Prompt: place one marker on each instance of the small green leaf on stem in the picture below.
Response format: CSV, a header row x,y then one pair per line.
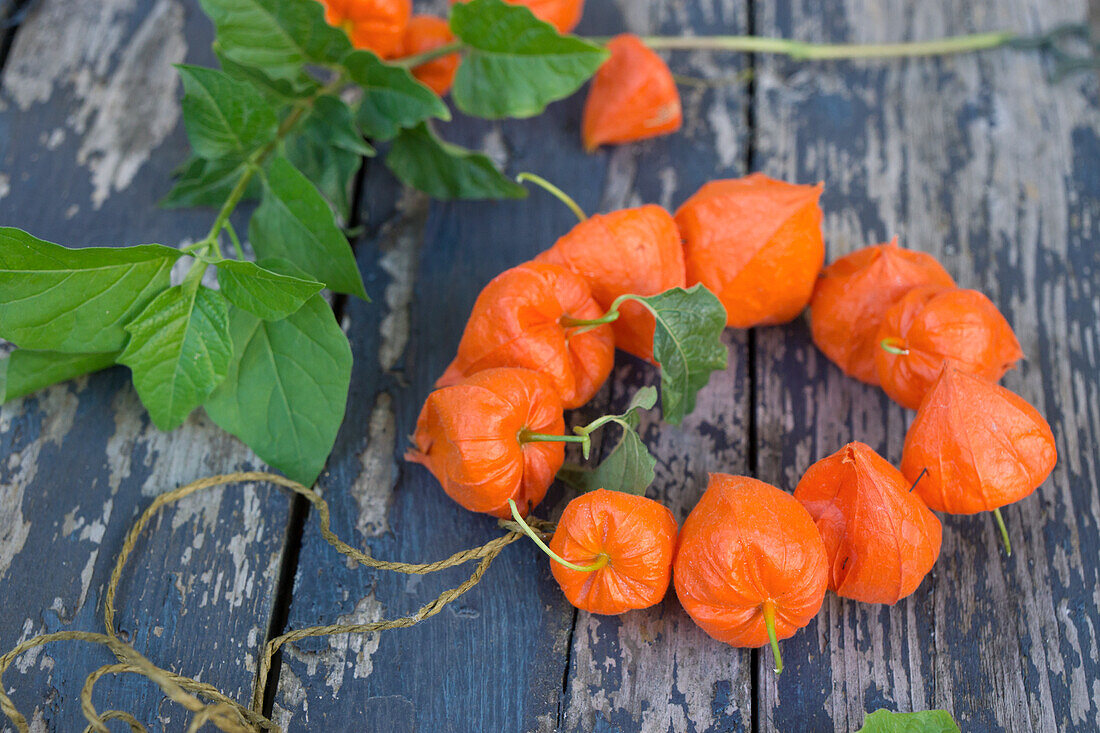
x,y
926,721
179,351
392,97
328,149
262,292
294,223
687,343
287,414
206,183
630,466
515,64
23,372
225,119
53,298
445,171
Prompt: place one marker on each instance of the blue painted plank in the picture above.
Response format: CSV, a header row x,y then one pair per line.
x,y
983,162
89,133
499,661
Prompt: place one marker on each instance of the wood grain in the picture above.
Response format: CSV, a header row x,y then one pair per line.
x,y
91,131
979,160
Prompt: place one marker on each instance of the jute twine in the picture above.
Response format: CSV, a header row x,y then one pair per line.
x,y
206,702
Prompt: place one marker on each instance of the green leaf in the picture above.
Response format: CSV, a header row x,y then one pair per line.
x,y
328,150
447,171
928,721
332,122
687,343
23,372
207,183
277,91
287,388
392,97
276,36
294,222
53,298
516,64
224,118
179,350
262,292
630,466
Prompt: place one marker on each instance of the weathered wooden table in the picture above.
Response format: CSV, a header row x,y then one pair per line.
x,y
981,160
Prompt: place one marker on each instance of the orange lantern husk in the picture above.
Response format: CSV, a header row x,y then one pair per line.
x,y
983,447
851,298
930,325
633,97
426,33
562,14
631,251
373,25
756,243
747,552
880,539
470,437
631,536
517,321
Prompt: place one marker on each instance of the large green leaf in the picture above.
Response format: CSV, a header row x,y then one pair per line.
x,y
927,721
53,298
207,183
392,97
277,91
276,36
23,371
515,64
263,292
179,351
328,149
294,223
224,118
687,343
287,387
447,171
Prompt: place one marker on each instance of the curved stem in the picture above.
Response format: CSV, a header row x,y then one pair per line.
x,y
802,51
411,62
769,624
589,323
1004,531
555,191
888,344
234,239
601,561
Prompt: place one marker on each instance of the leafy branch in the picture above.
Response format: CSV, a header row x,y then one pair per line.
x,y
286,121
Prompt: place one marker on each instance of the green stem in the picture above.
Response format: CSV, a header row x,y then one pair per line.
x,y
1004,531
801,51
769,624
234,239
589,323
555,191
411,62
526,436
601,561
888,344
252,167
